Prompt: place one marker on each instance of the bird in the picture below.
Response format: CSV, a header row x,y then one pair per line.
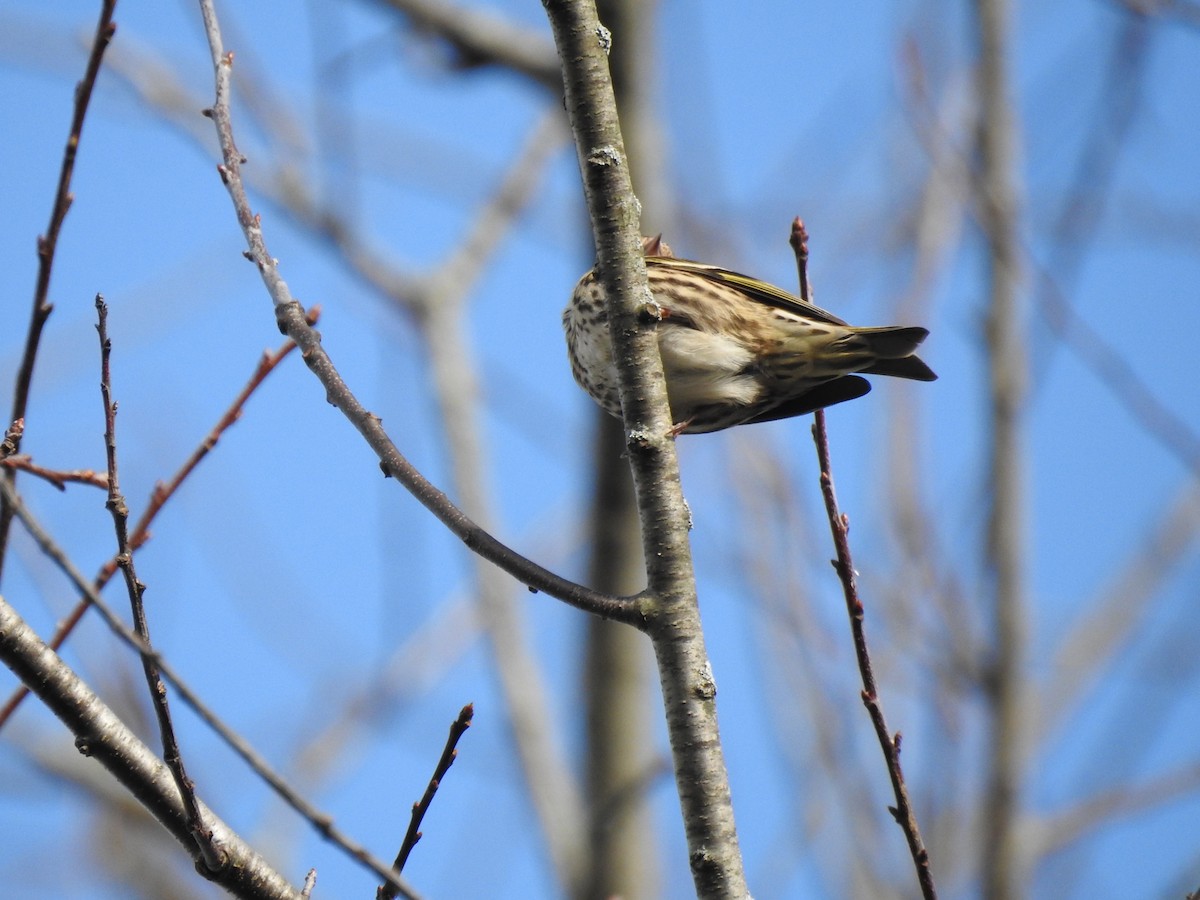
x,y
736,350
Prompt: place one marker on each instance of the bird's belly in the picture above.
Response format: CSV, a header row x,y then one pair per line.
x,y
706,370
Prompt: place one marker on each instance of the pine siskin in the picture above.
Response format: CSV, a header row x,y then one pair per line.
x,y
737,350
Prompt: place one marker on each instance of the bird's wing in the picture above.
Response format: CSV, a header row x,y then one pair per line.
x,y
753,287
848,387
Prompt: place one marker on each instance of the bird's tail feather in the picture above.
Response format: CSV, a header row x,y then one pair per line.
x,y
893,348
908,367
893,341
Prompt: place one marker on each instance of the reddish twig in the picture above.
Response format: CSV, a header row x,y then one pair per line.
x,y
48,243
839,525
799,241
162,492
449,754
160,495
60,479
214,857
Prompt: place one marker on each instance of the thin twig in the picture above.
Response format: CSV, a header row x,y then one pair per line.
x,y
839,525
457,729
163,492
799,241
57,477
158,498
213,856
321,821
48,244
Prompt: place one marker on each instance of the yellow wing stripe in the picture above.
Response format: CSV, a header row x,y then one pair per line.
x,y
753,287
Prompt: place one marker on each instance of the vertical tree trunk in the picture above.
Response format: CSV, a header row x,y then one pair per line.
x,y
1002,867
619,687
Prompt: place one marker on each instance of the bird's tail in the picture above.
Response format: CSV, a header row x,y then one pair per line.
x,y
894,347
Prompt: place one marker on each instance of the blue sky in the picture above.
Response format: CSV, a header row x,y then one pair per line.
x,y
287,572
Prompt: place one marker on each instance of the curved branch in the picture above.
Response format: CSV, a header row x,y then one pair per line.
x,y
290,317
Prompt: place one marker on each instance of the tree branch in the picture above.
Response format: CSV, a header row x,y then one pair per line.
x,y
413,834
839,524
48,244
101,735
481,38
320,821
1002,864
211,854
672,614
158,498
291,320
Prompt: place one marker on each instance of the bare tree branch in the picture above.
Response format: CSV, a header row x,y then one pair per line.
x,y
482,38
839,525
555,797
291,319
57,477
158,498
672,619
903,811
1003,866
617,672
210,851
413,834
102,736
48,244
322,822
